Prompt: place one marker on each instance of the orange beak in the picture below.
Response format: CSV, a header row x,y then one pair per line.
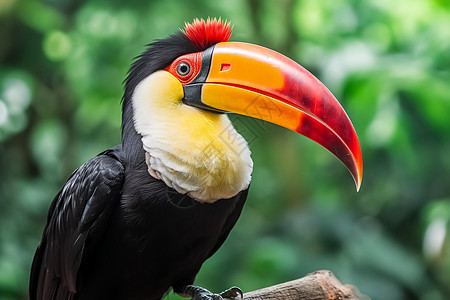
x,y
258,82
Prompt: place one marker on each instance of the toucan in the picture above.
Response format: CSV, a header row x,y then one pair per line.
x,y
140,218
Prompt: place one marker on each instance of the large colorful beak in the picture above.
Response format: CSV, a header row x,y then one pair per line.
x,y
258,82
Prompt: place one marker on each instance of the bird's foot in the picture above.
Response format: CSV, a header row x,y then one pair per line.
x,y
233,293
199,293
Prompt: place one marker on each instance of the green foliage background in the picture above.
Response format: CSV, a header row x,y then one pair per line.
x,y
61,69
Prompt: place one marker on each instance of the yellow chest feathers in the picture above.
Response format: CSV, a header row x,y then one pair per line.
x,y
196,152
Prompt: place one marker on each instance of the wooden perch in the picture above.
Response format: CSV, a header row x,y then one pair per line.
x,y
320,285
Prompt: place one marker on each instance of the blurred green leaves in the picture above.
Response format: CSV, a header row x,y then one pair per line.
x,y
16,89
57,46
39,15
388,62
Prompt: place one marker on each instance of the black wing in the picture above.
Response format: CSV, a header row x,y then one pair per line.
x,y
77,219
231,220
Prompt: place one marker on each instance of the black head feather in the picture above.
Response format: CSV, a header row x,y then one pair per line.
x,y
157,56
195,37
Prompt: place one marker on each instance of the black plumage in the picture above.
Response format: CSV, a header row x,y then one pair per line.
x,y
115,232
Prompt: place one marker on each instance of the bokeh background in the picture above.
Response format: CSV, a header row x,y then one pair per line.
x,y
61,69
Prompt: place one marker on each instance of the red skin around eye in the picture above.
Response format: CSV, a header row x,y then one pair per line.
x,y
195,62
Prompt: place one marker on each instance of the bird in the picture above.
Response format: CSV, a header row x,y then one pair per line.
x,y
140,218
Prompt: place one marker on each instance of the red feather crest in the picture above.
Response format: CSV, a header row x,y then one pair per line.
x,y
204,34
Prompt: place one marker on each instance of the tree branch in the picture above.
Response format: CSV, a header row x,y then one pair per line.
x,y
320,285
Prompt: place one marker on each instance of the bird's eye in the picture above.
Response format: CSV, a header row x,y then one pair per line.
x,y
186,67
183,69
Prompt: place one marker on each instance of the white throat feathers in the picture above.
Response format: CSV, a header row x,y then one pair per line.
x,y
193,151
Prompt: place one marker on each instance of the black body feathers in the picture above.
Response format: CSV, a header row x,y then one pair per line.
x,y
114,233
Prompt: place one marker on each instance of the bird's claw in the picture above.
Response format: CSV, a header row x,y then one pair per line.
x,y
207,296
233,293
199,293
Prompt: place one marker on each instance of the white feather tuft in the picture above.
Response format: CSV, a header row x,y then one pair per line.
x,y
196,152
